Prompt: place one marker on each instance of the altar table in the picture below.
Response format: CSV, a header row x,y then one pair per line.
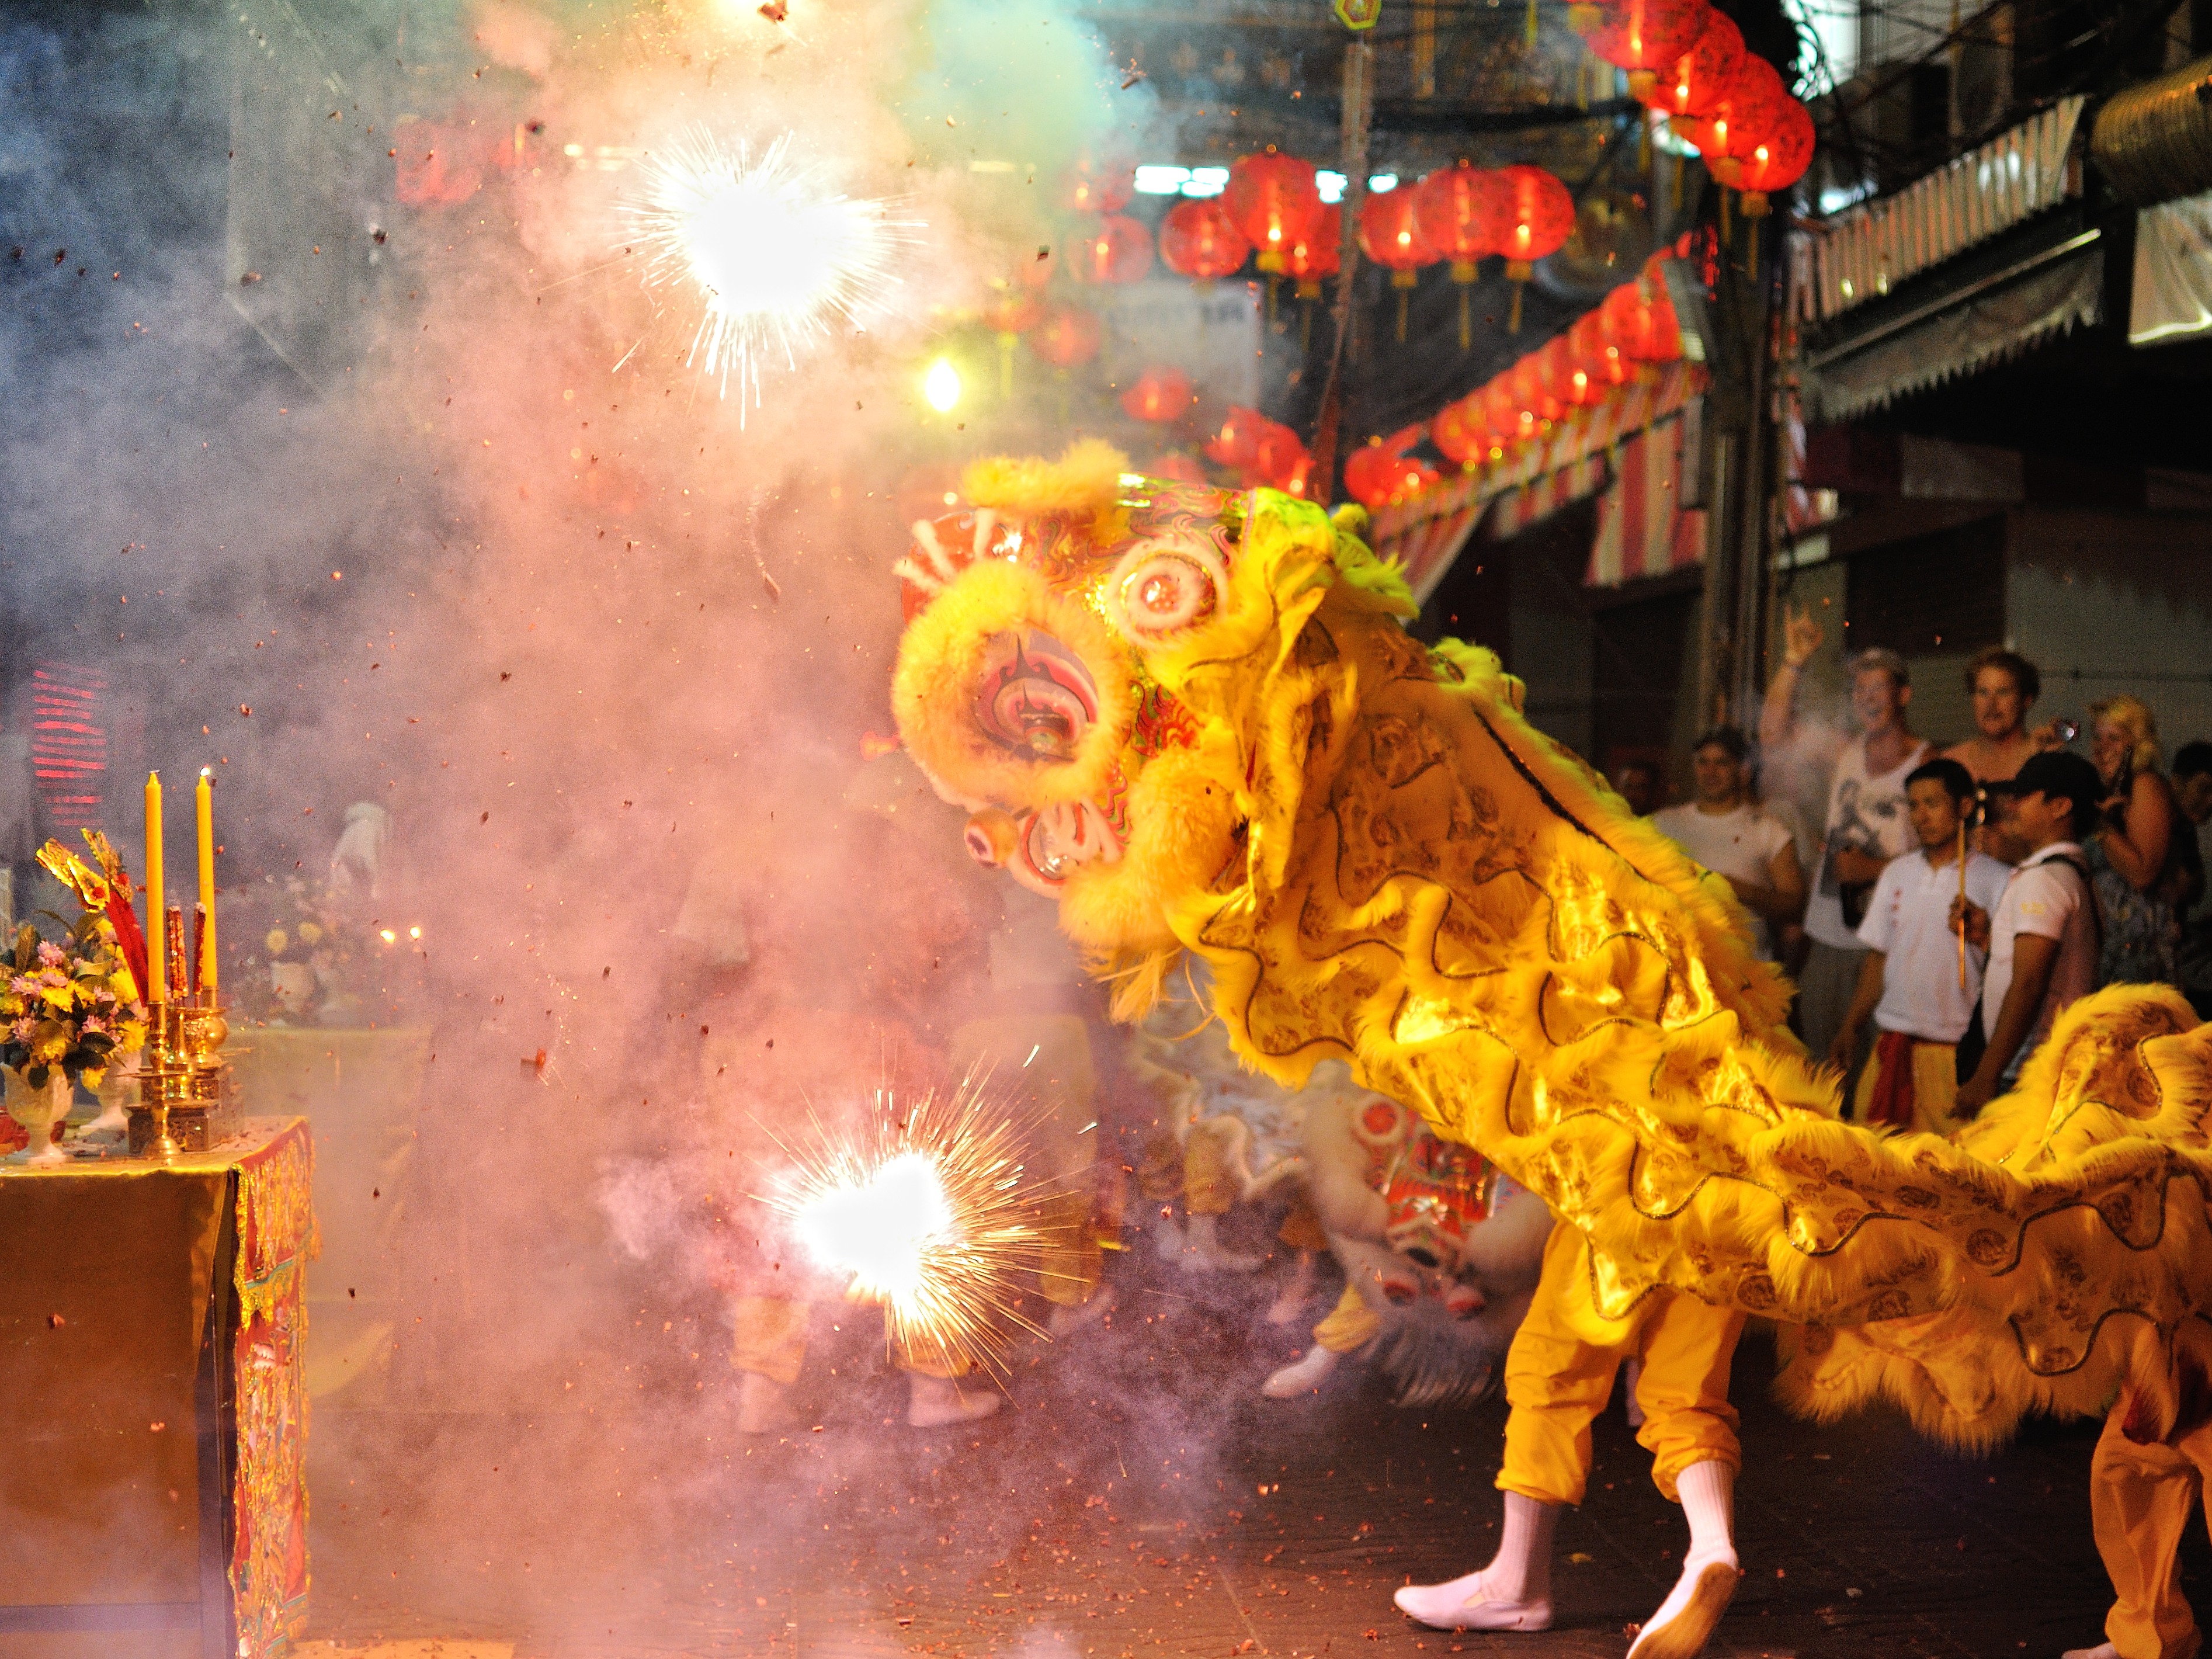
x,y
153,1493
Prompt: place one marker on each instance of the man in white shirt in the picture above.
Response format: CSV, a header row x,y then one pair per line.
x,y
1917,986
1866,825
1736,839
2042,935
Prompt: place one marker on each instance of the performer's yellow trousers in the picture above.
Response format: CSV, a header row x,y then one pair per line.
x,y
1560,1373
2142,1499
771,1339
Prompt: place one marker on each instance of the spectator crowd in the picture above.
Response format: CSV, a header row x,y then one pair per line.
x,y
1955,899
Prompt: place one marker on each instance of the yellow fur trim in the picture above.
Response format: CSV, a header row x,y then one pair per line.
x,y
1182,814
940,659
1084,479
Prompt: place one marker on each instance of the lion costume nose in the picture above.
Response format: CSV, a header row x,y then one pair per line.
x,y
990,837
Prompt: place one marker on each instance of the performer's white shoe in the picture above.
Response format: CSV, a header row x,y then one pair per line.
x,y
1301,1376
762,1408
2102,1651
1469,1603
1514,1592
1203,1253
1684,1621
937,1402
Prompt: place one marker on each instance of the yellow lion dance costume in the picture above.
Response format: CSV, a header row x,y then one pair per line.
x,y
1195,718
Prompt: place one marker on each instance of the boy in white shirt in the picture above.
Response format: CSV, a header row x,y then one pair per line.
x,y
1915,984
2042,934
1735,838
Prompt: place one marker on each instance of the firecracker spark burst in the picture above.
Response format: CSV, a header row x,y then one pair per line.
x,y
928,1209
771,256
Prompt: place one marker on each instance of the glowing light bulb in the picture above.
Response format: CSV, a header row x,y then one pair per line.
x,y
941,386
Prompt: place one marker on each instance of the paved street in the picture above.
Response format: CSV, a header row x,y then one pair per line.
x,y
1140,1500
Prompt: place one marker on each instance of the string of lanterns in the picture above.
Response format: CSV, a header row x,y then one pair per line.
x,y
1627,338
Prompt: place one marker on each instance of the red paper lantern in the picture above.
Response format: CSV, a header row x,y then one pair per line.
x,y
1275,201
1176,465
1068,337
1566,375
1318,254
1598,351
1009,310
1200,241
1534,217
1092,187
1745,118
1641,318
1379,473
1390,235
1777,161
1458,431
1278,459
1112,249
1534,399
1236,440
1503,415
1701,77
1160,394
1643,36
1453,210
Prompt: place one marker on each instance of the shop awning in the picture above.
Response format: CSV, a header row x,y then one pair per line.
x,y
2172,297
1995,318
1860,254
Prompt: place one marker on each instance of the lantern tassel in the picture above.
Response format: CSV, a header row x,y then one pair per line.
x,y
1274,283
1305,328
1404,295
1530,33
1513,319
1466,319
1724,215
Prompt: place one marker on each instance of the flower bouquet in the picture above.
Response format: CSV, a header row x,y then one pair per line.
x,y
69,1007
103,886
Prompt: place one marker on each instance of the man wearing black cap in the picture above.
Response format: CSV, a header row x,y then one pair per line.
x,y
2042,937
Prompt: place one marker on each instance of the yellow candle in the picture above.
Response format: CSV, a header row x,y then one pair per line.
x,y
157,985
203,800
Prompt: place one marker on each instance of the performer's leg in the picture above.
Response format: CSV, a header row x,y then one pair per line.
x,y
769,1348
1350,1327
1936,1088
2141,1499
1209,1191
1555,1382
1302,1231
1690,1431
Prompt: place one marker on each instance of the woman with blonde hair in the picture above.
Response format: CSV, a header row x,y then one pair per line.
x,y
2133,853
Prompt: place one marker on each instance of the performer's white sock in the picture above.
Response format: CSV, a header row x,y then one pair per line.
x,y
2102,1651
1686,1618
1708,1493
1514,1592
762,1408
1301,1376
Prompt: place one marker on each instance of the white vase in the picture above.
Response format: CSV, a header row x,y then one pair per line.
x,y
38,1110
116,1092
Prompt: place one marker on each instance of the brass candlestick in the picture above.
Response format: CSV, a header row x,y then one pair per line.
x,y
182,1071
164,1080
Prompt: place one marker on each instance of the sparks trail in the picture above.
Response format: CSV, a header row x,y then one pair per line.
x,y
771,256
926,1207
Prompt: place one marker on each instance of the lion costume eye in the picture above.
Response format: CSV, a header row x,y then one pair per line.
x,y
1035,697
1162,587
